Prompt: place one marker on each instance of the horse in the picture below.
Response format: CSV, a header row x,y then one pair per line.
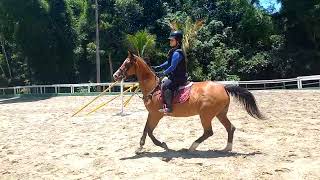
x,y
207,99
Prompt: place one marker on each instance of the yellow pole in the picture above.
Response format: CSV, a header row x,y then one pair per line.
x,y
128,100
95,98
103,104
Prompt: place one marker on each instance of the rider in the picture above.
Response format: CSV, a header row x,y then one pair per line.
x,y
175,69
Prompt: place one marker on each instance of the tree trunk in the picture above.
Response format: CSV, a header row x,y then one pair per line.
x,y
3,71
97,45
6,57
110,67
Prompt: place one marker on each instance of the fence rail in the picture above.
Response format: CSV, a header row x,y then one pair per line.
x,y
292,83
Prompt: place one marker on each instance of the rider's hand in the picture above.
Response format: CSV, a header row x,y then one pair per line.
x,y
156,68
160,74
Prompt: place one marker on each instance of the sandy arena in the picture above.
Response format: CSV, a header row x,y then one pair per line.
x,y
40,140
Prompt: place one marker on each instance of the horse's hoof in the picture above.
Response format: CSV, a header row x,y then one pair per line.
x,y
228,148
184,150
194,146
139,151
164,145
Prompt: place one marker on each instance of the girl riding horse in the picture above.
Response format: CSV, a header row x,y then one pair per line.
x,y
176,70
207,99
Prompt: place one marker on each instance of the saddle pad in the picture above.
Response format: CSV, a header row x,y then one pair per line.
x,y
181,95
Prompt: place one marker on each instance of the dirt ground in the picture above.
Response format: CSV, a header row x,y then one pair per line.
x,y
40,140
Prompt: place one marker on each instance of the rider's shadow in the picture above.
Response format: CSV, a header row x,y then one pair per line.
x,y
170,154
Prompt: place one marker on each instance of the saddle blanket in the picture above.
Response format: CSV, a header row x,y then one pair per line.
x,y
181,95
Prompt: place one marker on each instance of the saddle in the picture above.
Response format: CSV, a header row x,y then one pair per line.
x,y
181,95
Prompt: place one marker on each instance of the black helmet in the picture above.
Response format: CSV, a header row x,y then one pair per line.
x,y
177,35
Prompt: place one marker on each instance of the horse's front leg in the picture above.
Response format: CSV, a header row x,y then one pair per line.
x,y
152,122
143,139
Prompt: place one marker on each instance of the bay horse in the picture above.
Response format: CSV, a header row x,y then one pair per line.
x,y
207,99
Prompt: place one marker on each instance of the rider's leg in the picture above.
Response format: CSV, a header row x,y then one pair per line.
x,y
166,82
168,93
166,88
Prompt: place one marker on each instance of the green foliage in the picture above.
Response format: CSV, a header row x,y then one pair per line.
x,y
141,42
53,41
43,34
128,13
187,26
301,22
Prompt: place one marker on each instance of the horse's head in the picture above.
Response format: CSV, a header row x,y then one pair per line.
x,y
127,68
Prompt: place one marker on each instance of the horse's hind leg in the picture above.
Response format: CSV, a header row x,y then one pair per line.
x,y
207,130
229,127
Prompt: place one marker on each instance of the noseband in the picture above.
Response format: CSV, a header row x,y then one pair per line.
x,y
124,68
123,74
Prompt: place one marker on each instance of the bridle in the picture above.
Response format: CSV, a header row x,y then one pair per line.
x,y
123,74
124,68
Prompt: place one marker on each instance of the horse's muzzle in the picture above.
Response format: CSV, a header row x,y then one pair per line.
x,y
117,76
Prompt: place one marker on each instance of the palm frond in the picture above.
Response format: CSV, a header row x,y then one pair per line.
x,y
141,42
189,29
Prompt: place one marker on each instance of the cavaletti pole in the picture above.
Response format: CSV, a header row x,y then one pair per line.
x,y
103,104
128,100
94,99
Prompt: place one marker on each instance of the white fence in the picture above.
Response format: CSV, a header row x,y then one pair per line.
x,y
63,88
293,83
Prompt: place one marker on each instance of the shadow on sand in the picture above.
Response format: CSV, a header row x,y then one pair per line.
x,y
23,99
185,154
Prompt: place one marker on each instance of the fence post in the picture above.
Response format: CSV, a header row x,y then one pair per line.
x,y
299,82
121,90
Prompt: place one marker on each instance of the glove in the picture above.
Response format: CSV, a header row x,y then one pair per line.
x,y
156,68
160,74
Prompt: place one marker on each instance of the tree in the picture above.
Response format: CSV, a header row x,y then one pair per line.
x,y
142,42
44,35
97,42
5,57
189,29
301,25
53,41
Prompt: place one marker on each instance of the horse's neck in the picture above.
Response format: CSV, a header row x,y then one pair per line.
x,y
146,78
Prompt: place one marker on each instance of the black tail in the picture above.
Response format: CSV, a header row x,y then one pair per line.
x,y
246,99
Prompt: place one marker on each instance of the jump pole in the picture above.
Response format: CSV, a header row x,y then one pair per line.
x,y
128,100
113,84
103,104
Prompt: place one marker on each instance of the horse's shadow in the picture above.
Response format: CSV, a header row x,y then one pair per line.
x,y
183,153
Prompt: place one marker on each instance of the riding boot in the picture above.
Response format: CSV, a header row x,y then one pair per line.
x,y
168,100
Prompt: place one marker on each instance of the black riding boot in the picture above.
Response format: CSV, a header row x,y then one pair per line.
x,y
168,100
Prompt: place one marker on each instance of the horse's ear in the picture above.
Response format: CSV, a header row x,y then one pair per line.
x,y
131,55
